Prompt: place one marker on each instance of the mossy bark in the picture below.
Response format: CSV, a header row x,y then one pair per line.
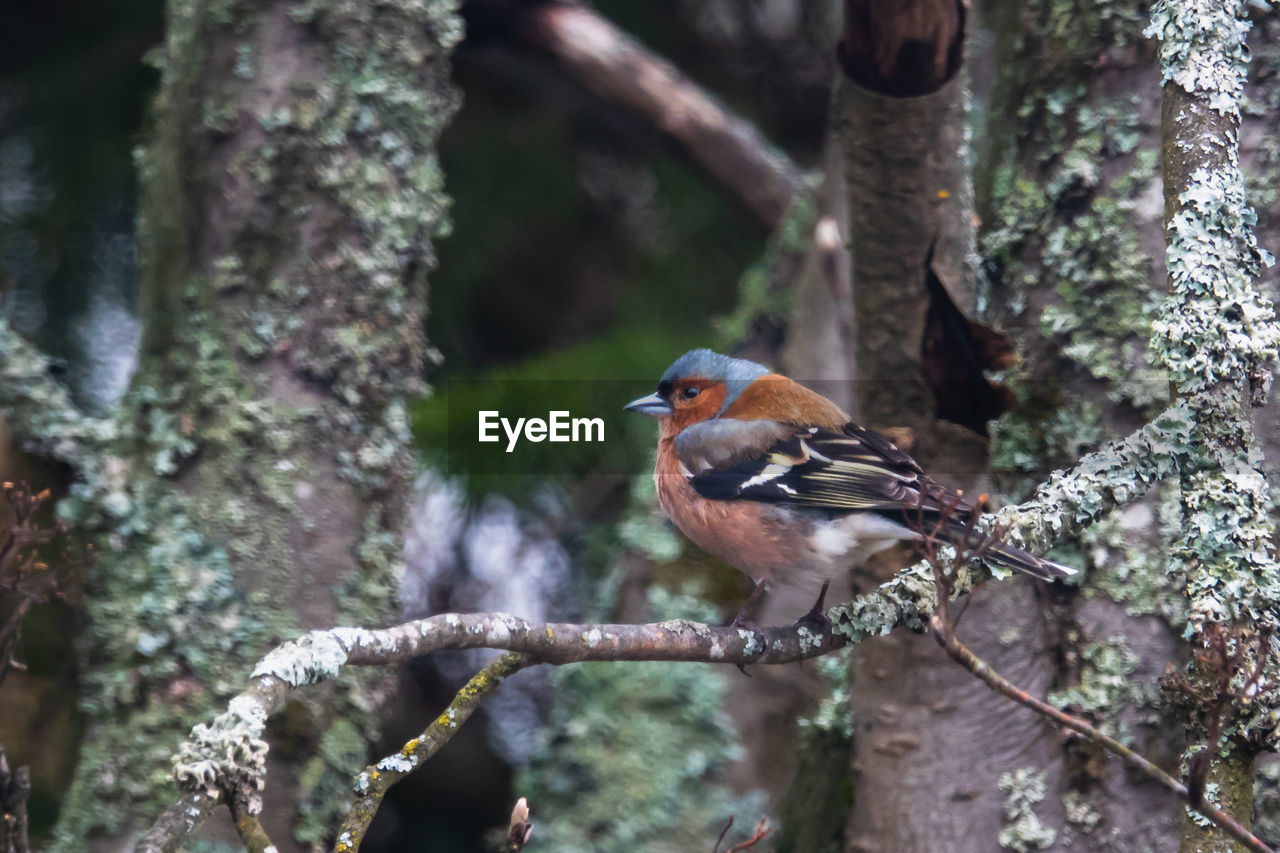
x,y
290,197
1067,181
1218,337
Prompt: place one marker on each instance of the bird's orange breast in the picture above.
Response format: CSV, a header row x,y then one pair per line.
x,y
752,537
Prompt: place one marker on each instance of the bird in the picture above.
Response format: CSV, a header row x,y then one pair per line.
x,y
779,482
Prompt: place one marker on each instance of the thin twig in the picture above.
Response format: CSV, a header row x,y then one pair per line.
x,y
761,833
372,784
961,655
944,632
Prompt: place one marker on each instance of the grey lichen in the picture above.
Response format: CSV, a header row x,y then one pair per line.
x,y
1202,48
1215,327
1132,561
316,657
834,713
1217,334
1023,832
40,413
1107,689
1080,813
227,758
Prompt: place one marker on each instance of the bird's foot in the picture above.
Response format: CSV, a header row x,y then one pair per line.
x,y
743,624
816,621
746,625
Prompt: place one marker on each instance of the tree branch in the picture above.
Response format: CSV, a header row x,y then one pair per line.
x,y
372,785
982,670
944,631
1112,477
1218,337
230,752
614,66
252,834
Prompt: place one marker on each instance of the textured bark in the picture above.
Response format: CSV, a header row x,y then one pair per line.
x,y
1213,262
1068,209
253,480
918,718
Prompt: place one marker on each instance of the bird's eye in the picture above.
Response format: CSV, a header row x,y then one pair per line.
x,y
691,392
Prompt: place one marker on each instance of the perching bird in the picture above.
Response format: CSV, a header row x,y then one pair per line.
x,y
777,481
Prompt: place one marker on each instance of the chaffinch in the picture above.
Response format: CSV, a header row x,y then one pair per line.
x,y
777,481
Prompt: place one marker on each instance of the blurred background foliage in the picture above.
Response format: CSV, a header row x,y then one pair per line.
x,y
584,245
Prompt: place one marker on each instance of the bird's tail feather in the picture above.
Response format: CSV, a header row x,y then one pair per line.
x,y
1012,556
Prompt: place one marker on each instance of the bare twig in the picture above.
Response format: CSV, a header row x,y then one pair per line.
x,y
25,578
1218,663
372,784
761,833
944,632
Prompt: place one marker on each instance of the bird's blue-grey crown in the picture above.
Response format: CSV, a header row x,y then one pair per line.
x,y
736,373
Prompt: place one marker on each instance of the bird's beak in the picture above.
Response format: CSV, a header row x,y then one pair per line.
x,y
653,406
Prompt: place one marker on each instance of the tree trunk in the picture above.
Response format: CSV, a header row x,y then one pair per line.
x,y
938,755
919,718
290,196
1068,183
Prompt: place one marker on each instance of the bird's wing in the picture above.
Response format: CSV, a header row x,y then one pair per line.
x,y
847,469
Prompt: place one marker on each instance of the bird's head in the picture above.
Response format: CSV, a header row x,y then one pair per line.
x,y
700,385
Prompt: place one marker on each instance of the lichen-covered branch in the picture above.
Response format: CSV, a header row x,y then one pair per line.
x,y
229,754
1217,336
372,784
1111,477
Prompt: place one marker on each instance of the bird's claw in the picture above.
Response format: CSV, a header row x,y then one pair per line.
x,y
816,621
747,625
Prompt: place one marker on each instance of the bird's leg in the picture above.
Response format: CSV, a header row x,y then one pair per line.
x,y
817,617
741,620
